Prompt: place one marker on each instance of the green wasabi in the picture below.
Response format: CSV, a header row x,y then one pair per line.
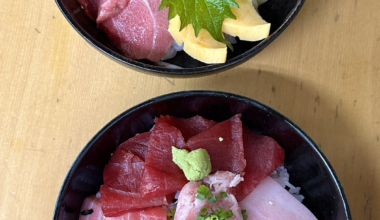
x,y
196,165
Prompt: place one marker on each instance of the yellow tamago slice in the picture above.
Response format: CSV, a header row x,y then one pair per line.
x,y
249,25
203,48
174,26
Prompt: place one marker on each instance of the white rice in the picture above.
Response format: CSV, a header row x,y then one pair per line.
x,y
281,175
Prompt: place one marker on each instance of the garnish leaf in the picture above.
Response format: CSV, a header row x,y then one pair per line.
x,y
202,14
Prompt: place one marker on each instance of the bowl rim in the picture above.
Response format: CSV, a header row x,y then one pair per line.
x,y
209,93
164,71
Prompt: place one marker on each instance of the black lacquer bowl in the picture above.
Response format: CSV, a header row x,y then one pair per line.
x,y
279,13
307,165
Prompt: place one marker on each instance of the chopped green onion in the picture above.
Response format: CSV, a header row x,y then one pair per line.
x,y
213,199
208,218
223,195
222,215
172,213
200,217
243,211
229,214
220,210
204,190
245,216
204,212
214,217
201,197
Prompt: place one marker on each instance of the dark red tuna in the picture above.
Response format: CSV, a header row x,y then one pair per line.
x,y
189,127
155,183
263,155
159,154
138,145
116,202
124,171
224,144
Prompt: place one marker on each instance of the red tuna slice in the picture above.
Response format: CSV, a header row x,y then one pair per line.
x,y
270,201
93,203
138,145
116,203
140,31
159,154
155,183
124,171
263,155
226,154
189,127
101,10
110,8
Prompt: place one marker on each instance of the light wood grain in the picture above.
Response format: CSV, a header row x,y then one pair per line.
x,y
56,92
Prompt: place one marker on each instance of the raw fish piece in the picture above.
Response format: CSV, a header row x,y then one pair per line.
x,y
222,180
140,31
101,10
189,206
93,203
110,8
224,144
155,183
189,127
159,154
124,172
116,203
263,155
270,201
138,145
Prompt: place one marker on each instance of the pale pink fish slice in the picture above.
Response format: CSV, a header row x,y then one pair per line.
x,y
270,201
189,206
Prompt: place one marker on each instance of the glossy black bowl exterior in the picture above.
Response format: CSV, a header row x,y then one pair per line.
x,y
279,13
307,165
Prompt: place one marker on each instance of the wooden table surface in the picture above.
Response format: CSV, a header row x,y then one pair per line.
x,y
56,92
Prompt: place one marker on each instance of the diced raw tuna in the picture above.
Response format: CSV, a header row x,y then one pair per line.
x,y
116,203
263,155
101,10
155,183
138,145
110,8
270,201
124,171
189,206
189,127
224,144
159,154
93,203
140,31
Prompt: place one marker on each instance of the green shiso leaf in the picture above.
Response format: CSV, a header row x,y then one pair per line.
x,y
202,14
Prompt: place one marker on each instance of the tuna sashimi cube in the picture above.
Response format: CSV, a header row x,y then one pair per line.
x,y
155,183
110,8
138,145
124,171
91,210
224,144
159,154
270,201
116,203
263,155
189,127
140,30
